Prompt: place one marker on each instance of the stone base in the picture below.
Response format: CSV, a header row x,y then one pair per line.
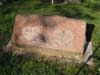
x,y
51,54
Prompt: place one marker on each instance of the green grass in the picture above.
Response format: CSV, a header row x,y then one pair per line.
x,y
11,64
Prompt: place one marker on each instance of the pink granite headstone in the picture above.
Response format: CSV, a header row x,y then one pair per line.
x,y
49,33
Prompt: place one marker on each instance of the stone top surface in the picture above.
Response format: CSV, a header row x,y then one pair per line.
x,y
54,32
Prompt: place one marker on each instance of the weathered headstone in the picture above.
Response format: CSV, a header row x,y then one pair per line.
x,y
49,35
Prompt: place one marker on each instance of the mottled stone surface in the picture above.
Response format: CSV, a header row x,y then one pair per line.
x,y
53,32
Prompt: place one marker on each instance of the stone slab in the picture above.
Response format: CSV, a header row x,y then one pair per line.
x,y
50,36
53,32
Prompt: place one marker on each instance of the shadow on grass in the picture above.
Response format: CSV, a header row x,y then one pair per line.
x,y
12,64
89,32
73,12
8,62
89,58
11,1
23,7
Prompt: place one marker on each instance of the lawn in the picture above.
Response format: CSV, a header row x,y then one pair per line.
x,y
11,64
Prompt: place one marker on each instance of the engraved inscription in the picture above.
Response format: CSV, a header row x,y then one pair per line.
x,y
62,39
30,35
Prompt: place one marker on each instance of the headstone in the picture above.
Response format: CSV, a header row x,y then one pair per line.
x,y
49,35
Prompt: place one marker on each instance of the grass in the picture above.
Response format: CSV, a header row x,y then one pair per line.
x,y
11,64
